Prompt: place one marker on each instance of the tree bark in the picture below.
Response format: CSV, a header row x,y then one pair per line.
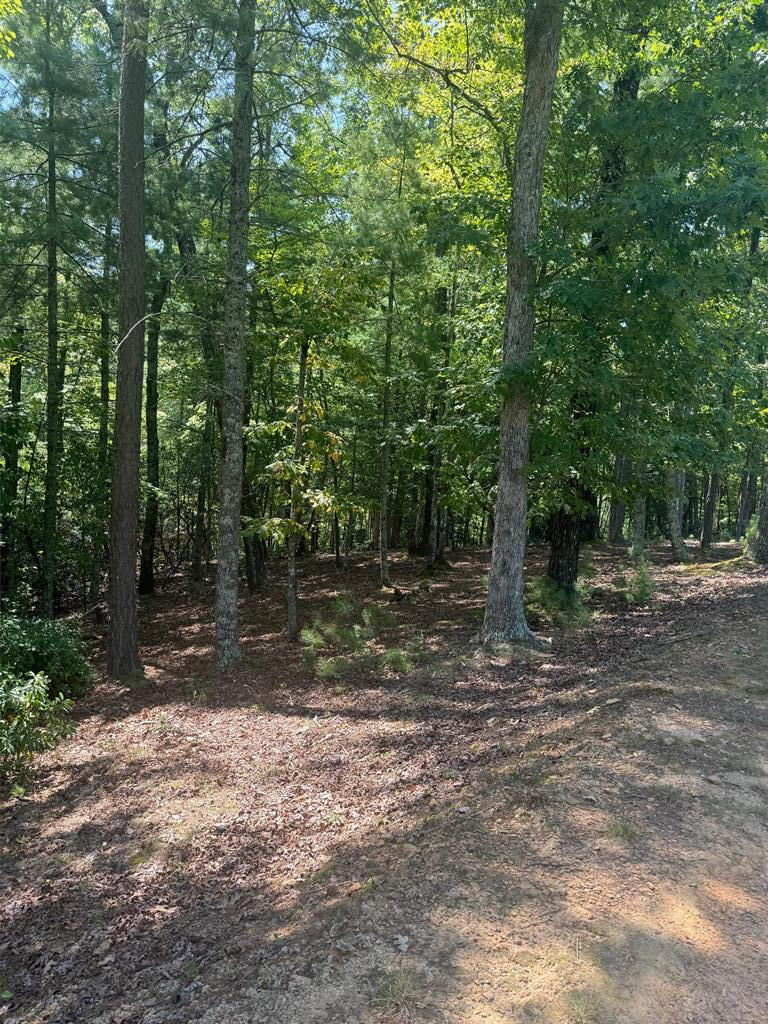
x,y
293,539
206,458
563,566
385,452
617,512
149,533
231,486
53,391
747,493
504,613
100,553
675,491
123,653
710,511
759,546
10,477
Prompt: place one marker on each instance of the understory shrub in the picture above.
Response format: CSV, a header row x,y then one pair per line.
x,y
45,646
31,720
336,650
641,585
547,603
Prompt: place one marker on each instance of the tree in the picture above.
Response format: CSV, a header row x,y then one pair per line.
x,y
504,618
231,486
123,652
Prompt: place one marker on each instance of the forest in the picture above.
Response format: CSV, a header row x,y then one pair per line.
x,y
383,511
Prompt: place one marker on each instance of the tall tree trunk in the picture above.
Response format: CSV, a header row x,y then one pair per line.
x,y
443,310
231,486
203,487
675,492
293,538
350,528
617,510
53,392
565,543
123,652
149,533
10,478
758,548
385,447
747,492
100,552
504,613
710,511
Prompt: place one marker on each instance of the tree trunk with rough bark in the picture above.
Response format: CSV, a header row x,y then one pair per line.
x,y
293,538
711,503
149,533
617,512
234,335
53,389
10,477
504,618
199,537
123,652
385,452
747,493
758,548
675,492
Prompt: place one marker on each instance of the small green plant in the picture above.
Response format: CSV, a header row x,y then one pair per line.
x,y
352,637
161,724
313,640
345,606
640,585
376,619
47,646
547,603
197,694
623,831
395,659
328,668
31,720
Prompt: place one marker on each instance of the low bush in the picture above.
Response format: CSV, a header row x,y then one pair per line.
x,y
546,603
641,586
45,646
31,720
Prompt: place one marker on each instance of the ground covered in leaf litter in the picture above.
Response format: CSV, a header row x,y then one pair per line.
x,y
566,837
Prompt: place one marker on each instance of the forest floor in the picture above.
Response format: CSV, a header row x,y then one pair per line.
x,y
576,836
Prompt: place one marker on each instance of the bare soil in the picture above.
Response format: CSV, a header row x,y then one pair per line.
x,y
575,836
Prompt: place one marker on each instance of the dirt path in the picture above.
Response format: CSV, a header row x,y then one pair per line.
x,y
577,837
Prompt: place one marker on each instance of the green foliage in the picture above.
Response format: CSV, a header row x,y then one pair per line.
x,y
31,720
45,646
548,604
328,668
641,585
377,619
396,659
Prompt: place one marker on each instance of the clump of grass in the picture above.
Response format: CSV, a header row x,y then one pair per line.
x,y
584,1008
623,831
547,603
399,991
396,659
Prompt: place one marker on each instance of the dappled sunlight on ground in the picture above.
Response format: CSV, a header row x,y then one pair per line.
x,y
567,837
